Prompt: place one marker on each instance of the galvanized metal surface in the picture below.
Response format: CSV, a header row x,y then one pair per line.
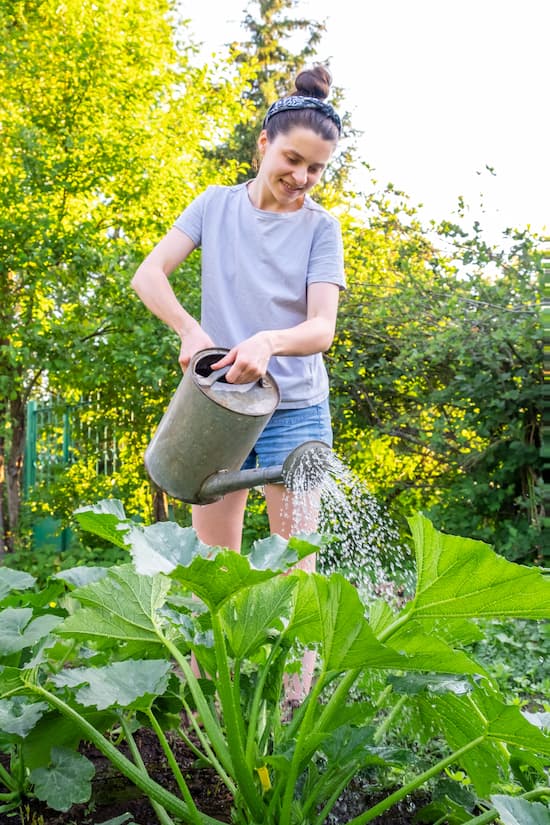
x,y
207,429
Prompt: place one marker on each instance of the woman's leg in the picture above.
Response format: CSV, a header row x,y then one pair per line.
x,y
290,514
220,524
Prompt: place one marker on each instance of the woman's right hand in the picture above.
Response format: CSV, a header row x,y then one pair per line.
x,y
194,340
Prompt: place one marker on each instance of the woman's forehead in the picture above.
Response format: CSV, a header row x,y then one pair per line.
x,y
306,143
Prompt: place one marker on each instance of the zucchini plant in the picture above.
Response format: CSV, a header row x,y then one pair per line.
x,y
118,656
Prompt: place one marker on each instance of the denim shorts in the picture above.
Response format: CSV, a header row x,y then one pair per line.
x,y
288,429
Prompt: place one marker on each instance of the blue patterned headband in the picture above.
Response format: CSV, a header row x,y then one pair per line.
x,y
288,104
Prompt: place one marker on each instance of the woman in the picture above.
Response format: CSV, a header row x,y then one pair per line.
x,y
272,269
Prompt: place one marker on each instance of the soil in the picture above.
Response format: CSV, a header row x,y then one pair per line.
x,y
113,795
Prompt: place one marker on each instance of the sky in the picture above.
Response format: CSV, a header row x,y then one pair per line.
x,y
440,91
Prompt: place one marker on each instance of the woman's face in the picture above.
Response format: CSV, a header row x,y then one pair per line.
x,y
291,165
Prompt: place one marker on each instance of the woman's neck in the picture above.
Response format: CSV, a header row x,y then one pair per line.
x,y
261,198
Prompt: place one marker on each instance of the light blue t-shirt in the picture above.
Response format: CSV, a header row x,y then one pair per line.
x,y
256,267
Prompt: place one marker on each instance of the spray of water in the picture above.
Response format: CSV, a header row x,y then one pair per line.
x,y
365,545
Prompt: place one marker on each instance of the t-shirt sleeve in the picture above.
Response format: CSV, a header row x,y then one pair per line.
x,y
191,219
326,260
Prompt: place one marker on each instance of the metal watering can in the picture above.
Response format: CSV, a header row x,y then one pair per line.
x,y
208,431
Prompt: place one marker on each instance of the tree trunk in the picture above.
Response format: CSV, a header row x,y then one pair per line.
x,y
3,518
160,505
14,470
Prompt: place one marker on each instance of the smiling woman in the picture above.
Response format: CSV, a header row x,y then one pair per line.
x,y
272,269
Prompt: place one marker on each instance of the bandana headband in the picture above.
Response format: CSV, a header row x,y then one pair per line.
x,y
287,104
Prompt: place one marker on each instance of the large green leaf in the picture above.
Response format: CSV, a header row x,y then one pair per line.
x,y
328,611
514,811
18,630
53,727
218,579
430,652
413,684
161,547
19,716
11,681
348,745
130,683
276,553
81,576
458,577
67,780
105,519
252,614
465,718
122,606
456,718
14,580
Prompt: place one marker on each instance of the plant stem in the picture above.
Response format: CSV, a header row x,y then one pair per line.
x,y
255,709
338,698
415,783
210,723
493,814
182,784
237,696
332,799
7,779
388,720
144,782
163,817
243,775
208,755
402,619
306,728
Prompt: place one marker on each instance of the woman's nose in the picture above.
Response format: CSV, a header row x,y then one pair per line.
x,y
300,175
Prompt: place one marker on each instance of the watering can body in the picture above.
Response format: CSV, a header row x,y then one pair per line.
x,y
209,428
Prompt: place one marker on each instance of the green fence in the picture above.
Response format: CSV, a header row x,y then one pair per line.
x,y
57,435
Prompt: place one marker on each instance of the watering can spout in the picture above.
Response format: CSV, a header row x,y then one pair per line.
x,y
303,469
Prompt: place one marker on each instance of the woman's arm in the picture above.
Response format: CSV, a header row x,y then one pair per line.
x,y
250,358
153,287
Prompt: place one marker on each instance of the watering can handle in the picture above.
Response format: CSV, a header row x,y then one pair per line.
x,y
208,380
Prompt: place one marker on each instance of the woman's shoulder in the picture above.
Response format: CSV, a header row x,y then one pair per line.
x,y
318,212
218,191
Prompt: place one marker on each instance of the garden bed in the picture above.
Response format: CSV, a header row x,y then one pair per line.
x,y
113,795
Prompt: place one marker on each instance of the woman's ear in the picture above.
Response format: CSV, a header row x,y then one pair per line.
x,y
262,142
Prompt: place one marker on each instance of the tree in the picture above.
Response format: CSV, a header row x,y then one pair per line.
x,y
436,372
103,145
272,25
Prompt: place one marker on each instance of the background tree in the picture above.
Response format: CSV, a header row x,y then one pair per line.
x,y
281,43
102,148
436,373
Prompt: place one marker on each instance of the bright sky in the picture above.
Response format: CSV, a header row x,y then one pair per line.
x,y
439,89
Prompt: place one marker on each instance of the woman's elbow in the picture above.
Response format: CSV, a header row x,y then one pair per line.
x,y
327,338
140,280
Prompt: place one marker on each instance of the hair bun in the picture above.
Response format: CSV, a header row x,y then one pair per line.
x,y
315,82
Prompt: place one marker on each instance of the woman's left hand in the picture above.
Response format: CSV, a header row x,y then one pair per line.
x,y
249,359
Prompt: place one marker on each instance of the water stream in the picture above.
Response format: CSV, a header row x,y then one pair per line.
x,y
365,546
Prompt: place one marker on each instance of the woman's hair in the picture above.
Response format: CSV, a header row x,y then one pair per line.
x,y
313,85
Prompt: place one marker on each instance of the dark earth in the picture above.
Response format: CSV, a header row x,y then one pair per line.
x,y
113,795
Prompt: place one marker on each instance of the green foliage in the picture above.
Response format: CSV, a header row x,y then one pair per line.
x,y
66,781
101,151
436,373
125,628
